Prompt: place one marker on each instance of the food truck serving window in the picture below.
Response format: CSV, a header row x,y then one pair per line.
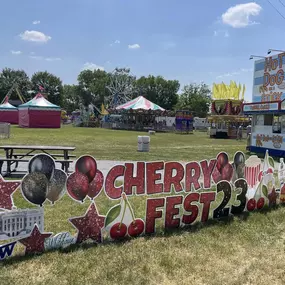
x,y
268,120
276,127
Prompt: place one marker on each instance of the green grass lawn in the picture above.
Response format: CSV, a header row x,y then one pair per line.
x,y
244,250
122,145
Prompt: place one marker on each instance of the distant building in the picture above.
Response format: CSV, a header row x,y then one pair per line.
x,y
16,223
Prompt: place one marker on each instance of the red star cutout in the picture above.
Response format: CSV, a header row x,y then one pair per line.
x,y
35,242
90,225
7,188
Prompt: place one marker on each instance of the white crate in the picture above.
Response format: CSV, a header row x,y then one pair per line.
x,y
4,130
143,143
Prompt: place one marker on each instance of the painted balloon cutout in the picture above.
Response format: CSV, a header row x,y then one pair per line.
x,y
223,169
42,163
56,187
34,188
86,165
77,185
96,185
239,164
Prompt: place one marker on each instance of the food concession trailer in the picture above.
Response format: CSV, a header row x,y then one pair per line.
x,y
268,127
268,106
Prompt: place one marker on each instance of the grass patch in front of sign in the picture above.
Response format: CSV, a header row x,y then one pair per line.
x,y
248,249
122,145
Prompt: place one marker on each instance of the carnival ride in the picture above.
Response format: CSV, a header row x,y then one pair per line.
x,y
121,88
226,110
139,114
15,88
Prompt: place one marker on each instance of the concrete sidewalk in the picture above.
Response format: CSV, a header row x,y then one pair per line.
x,y
103,165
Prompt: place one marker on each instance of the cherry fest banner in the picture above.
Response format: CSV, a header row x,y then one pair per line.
x,y
173,195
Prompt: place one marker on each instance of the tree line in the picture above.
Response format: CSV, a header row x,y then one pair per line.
x,y
97,87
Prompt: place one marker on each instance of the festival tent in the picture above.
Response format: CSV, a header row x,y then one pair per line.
x,y
8,113
39,113
139,103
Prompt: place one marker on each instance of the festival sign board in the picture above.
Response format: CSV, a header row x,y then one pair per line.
x,y
261,107
268,79
173,195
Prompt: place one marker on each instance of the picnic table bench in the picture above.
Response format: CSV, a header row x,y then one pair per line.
x,y
14,154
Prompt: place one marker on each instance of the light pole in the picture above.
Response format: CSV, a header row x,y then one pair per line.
x,y
254,56
277,50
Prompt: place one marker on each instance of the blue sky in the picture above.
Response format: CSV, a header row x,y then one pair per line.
x,y
192,41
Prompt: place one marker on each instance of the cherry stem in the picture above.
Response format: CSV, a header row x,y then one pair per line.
x,y
133,216
124,211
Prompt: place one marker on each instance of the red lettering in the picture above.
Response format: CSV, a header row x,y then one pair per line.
x,y
280,58
192,175
206,199
110,189
152,214
274,78
137,181
279,76
207,170
188,207
266,77
267,64
152,177
171,211
171,178
274,63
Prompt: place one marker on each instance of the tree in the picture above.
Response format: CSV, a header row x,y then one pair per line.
x,y
52,86
10,76
93,85
159,90
71,98
196,98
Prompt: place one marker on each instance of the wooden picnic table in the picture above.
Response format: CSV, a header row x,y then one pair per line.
x,y
19,153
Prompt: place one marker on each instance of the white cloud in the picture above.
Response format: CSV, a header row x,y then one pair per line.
x,y
52,58
221,32
35,36
116,42
16,52
246,69
92,66
237,72
239,16
134,46
36,57
36,22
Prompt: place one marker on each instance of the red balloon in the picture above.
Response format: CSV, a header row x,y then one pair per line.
x,y
96,185
77,186
227,172
222,160
86,165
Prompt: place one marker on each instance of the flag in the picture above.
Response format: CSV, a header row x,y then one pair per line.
x,y
243,91
41,88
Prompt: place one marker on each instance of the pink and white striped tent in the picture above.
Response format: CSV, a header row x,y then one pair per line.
x,y
139,103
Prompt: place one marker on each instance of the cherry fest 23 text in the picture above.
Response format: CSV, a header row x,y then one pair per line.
x,y
153,178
